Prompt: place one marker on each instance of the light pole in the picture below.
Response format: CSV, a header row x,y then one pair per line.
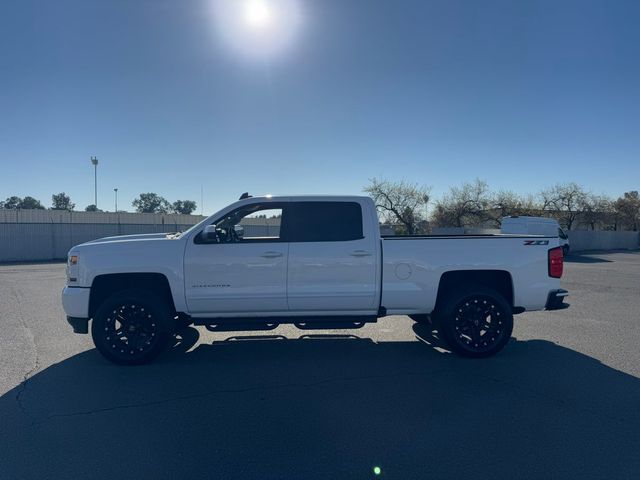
x,y
116,190
94,161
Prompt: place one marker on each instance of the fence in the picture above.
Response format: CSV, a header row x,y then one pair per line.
x,y
27,235
581,240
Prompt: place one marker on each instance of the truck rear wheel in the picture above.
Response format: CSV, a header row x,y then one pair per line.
x,y
132,327
475,321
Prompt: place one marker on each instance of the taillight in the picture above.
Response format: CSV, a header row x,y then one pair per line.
x,y
556,262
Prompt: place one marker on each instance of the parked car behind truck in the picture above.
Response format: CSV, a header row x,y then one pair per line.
x,y
535,226
322,265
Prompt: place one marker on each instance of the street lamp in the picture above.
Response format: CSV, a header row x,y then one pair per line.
x,y
94,161
116,190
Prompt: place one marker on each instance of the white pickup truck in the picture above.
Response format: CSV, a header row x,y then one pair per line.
x,y
318,262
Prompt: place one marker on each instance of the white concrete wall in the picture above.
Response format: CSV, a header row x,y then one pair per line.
x,y
63,216
31,235
581,240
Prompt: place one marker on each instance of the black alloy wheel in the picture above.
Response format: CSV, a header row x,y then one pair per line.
x,y
132,327
478,323
475,321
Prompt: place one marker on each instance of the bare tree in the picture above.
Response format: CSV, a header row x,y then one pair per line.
x,y
507,203
596,211
400,202
564,202
466,205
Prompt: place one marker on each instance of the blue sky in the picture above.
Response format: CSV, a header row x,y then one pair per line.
x,y
172,95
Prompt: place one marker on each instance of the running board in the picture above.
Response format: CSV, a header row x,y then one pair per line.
x,y
241,327
233,324
329,325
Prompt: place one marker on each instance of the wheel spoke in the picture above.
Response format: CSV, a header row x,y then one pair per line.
x,y
477,323
131,330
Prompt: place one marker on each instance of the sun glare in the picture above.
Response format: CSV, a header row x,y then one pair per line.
x,y
257,13
257,29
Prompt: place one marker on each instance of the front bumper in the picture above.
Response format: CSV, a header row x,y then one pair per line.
x,y
555,299
79,325
75,301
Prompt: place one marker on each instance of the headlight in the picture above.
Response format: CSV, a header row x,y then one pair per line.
x,y
73,260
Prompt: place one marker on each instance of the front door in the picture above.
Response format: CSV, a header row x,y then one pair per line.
x,y
242,268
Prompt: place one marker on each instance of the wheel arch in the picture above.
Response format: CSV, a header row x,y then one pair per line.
x,y
499,280
106,285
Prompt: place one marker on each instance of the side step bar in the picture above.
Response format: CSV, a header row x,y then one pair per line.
x,y
233,324
329,325
241,327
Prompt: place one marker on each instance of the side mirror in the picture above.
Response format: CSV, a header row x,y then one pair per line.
x,y
239,231
209,233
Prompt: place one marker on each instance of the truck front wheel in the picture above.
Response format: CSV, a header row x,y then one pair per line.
x,y
132,327
475,321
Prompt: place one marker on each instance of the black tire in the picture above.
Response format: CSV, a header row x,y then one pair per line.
x,y
475,321
132,327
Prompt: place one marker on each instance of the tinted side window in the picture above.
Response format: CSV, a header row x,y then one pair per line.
x,y
324,222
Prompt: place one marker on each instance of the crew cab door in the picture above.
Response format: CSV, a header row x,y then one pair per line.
x,y
239,272
332,264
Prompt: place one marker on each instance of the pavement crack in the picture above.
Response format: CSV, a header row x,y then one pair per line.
x,y
21,389
227,391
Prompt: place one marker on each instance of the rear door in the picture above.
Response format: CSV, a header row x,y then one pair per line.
x,y
332,264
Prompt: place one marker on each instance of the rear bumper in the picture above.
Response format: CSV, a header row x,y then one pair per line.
x,y
555,299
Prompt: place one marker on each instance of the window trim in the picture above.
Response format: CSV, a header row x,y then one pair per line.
x,y
197,238
287,232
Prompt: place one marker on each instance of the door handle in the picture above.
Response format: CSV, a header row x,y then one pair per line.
x,y
360,253
271,254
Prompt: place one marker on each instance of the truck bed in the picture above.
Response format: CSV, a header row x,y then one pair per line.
x,y
413,267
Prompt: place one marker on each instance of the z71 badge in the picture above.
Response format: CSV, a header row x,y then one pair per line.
x,y
536,242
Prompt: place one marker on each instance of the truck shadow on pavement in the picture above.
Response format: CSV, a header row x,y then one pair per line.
x,y
586,258
324,407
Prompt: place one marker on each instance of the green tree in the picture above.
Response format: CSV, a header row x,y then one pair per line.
x,y
186,207
92,208
30,203
12,203
628,209
151,203
61,201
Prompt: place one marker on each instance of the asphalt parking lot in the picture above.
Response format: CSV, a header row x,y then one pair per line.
x,y
561,401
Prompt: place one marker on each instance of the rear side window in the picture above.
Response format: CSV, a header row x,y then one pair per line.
x,y
324,222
